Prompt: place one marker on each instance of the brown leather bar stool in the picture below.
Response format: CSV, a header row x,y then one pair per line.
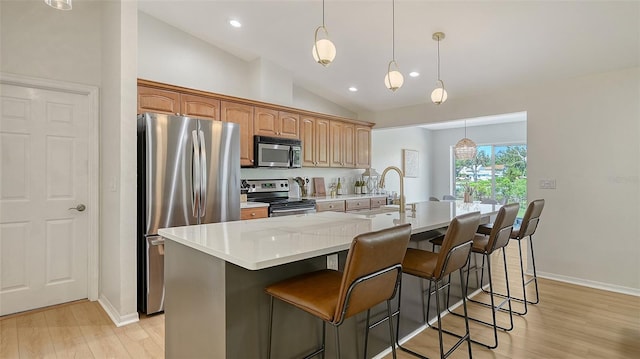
x,y
486,246
434,267
372,274
526,229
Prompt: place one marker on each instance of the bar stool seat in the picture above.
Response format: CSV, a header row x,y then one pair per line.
x,y
419,263
371,276
320,299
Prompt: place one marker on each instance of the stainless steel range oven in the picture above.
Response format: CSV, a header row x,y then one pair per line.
x,y
276,193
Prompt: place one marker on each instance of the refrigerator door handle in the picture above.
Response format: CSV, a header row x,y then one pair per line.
x,y
203,172
195,175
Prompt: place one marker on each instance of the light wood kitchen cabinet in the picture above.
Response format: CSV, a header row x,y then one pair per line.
x,y
174,103
242,115
254,213
363,147
328,141
377,202
199,107
314,133
158,101
357,204
342,143
333,206
274,123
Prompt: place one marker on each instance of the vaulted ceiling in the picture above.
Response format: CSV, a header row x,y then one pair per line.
x,y
489,45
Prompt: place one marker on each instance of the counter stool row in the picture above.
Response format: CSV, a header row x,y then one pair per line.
x,y
373,270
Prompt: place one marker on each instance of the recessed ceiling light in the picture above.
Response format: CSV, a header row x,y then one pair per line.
x,y
353,89
235,23
414,74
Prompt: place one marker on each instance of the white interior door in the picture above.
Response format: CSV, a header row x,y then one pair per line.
x,y
44,174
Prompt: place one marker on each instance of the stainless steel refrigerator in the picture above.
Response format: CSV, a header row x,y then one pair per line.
x,y
188,174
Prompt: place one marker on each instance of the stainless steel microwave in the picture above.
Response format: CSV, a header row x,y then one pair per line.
x,y
277,152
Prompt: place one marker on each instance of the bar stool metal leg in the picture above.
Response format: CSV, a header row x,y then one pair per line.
x,y
494,308
270,328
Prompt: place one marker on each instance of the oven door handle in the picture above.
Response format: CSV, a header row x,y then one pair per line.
x,y
292,210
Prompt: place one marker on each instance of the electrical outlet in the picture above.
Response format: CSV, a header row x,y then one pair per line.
x,y
547,184
332,261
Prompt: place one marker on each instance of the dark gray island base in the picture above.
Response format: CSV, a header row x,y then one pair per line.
x,y
216,309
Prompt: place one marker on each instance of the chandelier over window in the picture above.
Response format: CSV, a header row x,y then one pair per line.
x,y
393,79
439,94
465,149
324,51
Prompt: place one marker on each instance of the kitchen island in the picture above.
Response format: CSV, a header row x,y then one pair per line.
x,y
215,274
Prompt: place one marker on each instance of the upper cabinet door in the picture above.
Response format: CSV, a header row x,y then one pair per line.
x,y
265,122
243,115
363,147
322,143
349,145
289,125
158,101
200,107
307,135
336,143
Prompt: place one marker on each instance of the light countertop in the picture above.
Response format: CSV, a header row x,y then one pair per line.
x,y
267,242
253,205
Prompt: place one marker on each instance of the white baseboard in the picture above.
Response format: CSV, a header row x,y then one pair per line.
x,y
116,318
591,284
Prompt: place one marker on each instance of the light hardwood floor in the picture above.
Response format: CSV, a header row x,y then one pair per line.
x,y
570,322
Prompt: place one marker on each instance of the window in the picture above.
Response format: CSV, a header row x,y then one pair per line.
x,y
497,172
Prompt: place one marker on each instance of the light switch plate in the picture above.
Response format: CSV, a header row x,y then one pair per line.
x,y
547,184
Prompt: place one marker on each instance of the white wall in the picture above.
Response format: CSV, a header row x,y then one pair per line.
x,y
118,279
39,41
167,54
386,150
271,83
92,45
442,140
584,134
303,98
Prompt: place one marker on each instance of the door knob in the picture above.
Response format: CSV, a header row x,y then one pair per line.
x,y
80,208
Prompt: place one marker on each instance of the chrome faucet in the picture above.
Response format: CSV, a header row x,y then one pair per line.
x,y
381,184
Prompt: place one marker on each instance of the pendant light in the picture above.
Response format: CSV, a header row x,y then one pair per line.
x,y
465,149
323,49
393,79
59,4
439,95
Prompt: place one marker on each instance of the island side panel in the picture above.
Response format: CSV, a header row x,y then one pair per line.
x,y
194,303
295,333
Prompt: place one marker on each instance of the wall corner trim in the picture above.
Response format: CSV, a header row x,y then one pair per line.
x,y
117,319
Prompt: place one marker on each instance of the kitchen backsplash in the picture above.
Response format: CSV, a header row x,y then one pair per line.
x,y
349,176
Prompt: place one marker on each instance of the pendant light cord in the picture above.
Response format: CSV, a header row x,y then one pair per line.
x,y
393,30
439,75
322,13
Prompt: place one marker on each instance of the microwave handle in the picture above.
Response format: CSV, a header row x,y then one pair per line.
x,y
290,156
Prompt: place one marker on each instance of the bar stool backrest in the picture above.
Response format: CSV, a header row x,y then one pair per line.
x,y
531,218
456,244
502,227
372,270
